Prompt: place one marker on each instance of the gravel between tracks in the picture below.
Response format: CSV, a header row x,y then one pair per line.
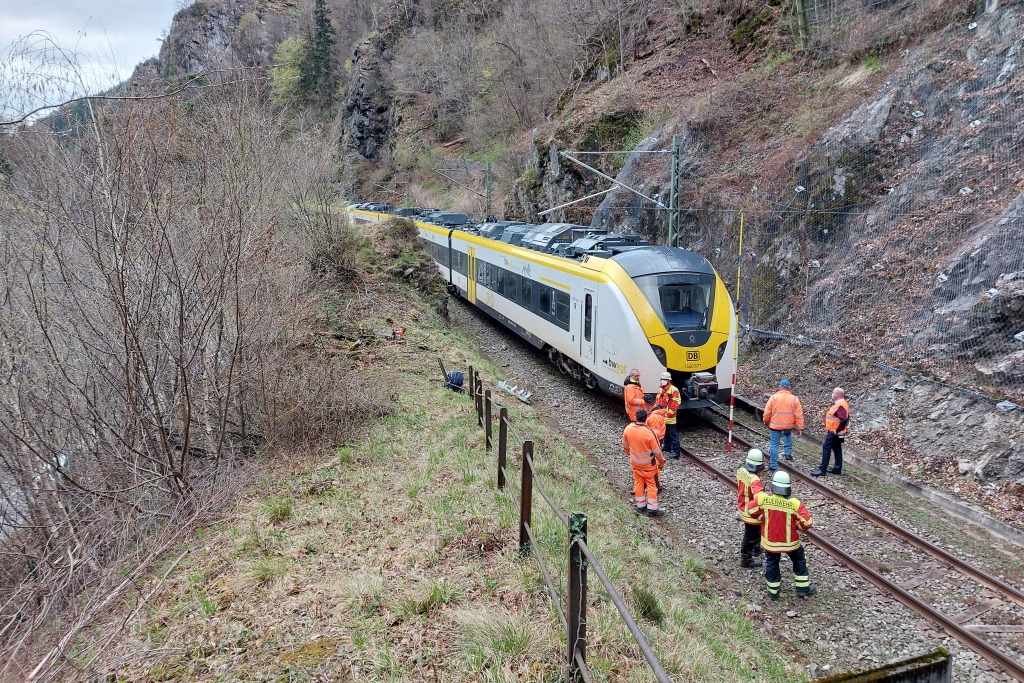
x,y
849,624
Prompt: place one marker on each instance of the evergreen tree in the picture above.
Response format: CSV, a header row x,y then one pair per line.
x,y
321,68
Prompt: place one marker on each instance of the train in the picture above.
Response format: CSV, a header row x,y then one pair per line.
x,y
598,303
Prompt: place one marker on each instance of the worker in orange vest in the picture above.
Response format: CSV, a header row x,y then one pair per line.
x,y
641,445
633,394
782,414
782,517
748,486
837,418
669,399
656,421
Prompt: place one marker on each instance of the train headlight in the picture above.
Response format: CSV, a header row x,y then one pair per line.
x,y
721,350
660,354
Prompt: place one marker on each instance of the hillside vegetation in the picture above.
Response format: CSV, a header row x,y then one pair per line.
x,y
181,310
393,556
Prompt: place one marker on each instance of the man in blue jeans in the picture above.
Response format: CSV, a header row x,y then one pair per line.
x,y
782,414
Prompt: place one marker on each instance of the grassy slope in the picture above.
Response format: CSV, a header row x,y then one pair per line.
x,y
394,558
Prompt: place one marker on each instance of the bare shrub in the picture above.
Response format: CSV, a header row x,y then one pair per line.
x,y
155,298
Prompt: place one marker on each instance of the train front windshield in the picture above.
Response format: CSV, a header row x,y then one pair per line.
x,y
683,301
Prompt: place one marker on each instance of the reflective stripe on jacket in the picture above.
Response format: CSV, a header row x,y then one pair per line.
x,y
749,485
656,421
642,447
634,397
784,411
781,518
838,417
669,399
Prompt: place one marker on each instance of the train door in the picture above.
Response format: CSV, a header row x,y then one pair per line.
x,y
589,321
471,285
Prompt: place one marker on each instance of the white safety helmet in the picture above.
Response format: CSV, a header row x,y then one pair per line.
x,y
667,375
755,460
781,485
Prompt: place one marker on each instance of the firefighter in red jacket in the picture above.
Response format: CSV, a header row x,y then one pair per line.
x,y
633,394
782,516
641,445
749,485
669,399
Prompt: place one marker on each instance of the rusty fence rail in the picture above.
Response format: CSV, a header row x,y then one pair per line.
x,y
574,616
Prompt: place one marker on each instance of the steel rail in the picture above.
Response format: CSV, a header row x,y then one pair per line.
x,y
965,636
641,639
979,575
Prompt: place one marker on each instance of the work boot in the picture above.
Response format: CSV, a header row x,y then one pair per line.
x,y
835,470
788,456
818,472
748,562
640,509
774,597
806,592
655,513
673,456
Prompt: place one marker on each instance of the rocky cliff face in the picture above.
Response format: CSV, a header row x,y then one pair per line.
x,y
210,34
369,114
895,236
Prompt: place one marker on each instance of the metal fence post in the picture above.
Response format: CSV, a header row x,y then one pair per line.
x,y
577,588
502,445
488,446
526,498
478,391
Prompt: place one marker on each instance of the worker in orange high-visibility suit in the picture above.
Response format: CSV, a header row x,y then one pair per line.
x,y
837,419
656,421
633,394
782,516
669,399
748,485
641,445
782,414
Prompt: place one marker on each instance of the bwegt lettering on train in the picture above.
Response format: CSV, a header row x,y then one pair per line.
x,y
598,303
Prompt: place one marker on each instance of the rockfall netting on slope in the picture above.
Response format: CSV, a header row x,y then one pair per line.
x,y
896,240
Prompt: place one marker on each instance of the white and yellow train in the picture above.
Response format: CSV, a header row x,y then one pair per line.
x,y
599,304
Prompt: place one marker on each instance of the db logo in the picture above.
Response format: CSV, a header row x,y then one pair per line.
x,y
693,355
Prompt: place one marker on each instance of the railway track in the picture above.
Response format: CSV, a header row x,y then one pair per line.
x,y
851,623
941,587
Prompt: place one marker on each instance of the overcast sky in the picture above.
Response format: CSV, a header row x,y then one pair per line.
x,y
110,36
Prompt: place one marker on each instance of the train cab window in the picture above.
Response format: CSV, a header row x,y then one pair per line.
x,y
682,301
588,316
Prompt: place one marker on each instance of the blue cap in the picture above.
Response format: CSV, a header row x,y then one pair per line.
x,y
783,382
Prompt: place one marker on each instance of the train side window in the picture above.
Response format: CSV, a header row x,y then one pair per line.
x,y
512,286
527,293
545,300
561,311
588,316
